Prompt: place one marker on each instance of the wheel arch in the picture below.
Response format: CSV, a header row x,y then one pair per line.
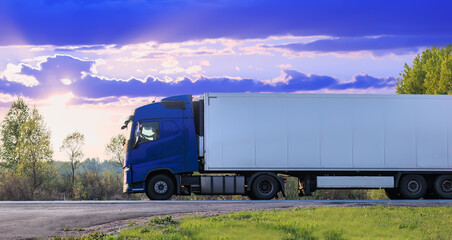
x,y
166,171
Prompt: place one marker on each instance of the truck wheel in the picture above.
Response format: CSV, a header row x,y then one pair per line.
x,y
392,193
264,187
160,187
443,186
412,186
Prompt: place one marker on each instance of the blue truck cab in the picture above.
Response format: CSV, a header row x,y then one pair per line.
x,y
164,155
161,139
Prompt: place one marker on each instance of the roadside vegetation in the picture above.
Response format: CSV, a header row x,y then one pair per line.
x,y
28,170
300,223
430,73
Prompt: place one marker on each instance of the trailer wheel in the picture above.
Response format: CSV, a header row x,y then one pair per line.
x,y
264,187
392,193
443,186
160,187
412,186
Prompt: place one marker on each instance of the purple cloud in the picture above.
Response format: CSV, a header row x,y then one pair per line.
x,y
85,85
69,22
379,45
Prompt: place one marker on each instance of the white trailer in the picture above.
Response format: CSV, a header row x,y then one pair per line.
x,y
334,140
402,143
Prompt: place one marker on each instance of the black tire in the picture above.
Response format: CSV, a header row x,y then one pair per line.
x,y
443,186
412,187
264,187
160,187
393,193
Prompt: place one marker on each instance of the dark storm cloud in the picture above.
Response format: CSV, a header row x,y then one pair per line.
x,y
86,85
71,22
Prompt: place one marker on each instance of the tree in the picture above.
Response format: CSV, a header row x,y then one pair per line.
x,y
25,150
431,73
17,115
35,152
115,149
72,146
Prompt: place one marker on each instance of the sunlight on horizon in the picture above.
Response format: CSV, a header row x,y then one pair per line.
x,y
98,124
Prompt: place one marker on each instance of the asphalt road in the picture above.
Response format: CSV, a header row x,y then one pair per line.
x,y
25,220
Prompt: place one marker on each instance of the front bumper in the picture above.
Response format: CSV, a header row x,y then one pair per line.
x,y
136,188
127,178
128,186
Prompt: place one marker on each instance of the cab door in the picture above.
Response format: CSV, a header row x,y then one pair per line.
x,y
147,152
173,147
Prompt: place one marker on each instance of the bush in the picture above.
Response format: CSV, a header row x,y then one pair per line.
x,y
14,187
377,194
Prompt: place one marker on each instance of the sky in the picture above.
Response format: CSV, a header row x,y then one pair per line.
x,y
86,64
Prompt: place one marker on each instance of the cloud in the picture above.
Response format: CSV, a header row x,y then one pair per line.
x,y
378,45
50,75
365,82
81,48
285,66
13,74
68,22
62,74
171,66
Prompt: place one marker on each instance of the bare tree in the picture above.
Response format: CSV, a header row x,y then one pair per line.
x,y
114,149
72,146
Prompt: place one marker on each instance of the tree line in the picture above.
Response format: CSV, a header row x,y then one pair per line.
x,y
29,172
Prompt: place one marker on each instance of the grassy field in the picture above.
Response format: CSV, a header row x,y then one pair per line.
x,y
303,223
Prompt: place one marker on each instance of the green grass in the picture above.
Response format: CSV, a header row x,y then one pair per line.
x,y
161,220
306,223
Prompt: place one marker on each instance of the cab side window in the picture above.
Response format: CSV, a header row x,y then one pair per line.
x,y
147,131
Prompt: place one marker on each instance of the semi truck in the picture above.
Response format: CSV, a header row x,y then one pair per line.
x,y
249,143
